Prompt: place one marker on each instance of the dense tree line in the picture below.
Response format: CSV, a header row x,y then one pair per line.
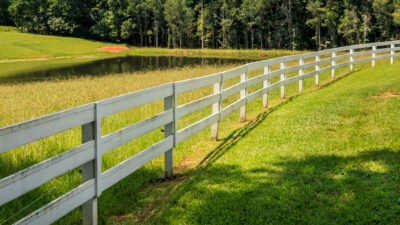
x,y
291,24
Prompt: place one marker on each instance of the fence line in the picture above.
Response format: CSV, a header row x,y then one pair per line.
x,y
88,154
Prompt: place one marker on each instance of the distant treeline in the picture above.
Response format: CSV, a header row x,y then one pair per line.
x,y
290,24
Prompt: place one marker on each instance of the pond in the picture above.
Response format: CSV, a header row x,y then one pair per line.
x,y
67,68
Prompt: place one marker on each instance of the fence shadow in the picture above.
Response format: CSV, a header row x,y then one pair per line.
x,y
202,169
233,138
237,134
314,190
227,144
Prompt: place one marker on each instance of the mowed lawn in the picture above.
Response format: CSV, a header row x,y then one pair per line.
x,y
330,156
15,45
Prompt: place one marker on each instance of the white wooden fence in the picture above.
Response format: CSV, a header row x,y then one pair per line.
x,y
94,145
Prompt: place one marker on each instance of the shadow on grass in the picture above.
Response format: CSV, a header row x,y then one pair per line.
x,y
360,189
237,134
357,189
124,204
122,197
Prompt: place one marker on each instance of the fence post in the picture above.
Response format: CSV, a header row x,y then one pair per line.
x,y
97,138
317,58
351,59
301,72
392,53
243,94
216,108
89,208
283,77
333,64
169,103
265,85
373,55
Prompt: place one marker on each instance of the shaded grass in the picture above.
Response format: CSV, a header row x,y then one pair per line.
x,y
25,101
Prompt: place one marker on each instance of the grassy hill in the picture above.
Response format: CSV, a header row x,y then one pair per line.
x,y
326,157
16,45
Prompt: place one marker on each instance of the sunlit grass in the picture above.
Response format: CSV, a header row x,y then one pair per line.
x,y
220,53
325,157
29,100
17,45
25,101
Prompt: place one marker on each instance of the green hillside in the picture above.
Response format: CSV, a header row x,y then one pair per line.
x,y
326,157
16,45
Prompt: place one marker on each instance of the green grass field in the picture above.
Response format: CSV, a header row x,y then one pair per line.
x,y
15,45
329,155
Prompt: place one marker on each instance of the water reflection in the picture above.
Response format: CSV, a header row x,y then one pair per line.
x,y
127,64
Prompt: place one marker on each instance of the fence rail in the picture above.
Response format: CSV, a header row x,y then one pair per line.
x,y
94,145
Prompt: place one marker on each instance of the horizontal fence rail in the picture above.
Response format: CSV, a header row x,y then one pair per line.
x,y
94,145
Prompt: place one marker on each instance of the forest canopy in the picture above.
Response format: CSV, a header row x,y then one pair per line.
x,y
263,24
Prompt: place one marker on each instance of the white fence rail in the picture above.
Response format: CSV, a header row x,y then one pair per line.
x,y
94,145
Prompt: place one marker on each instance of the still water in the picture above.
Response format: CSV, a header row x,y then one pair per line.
x,y
67,68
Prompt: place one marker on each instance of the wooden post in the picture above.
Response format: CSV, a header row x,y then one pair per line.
x,y
97,138
92,169
317,58
265,85
373,55
89,208
301,72
169,103
351,59
243,94
333,64
216,108
283,77
392,54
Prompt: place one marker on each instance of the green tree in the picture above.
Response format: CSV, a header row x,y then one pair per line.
x,y
396,18
383,10
350,26
157,11
249,14
179,19
318,14
5,18
366,26
332,20
29,15
211,23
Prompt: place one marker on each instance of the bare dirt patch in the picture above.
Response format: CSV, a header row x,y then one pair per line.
x,y
114,48
189,161
387,95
